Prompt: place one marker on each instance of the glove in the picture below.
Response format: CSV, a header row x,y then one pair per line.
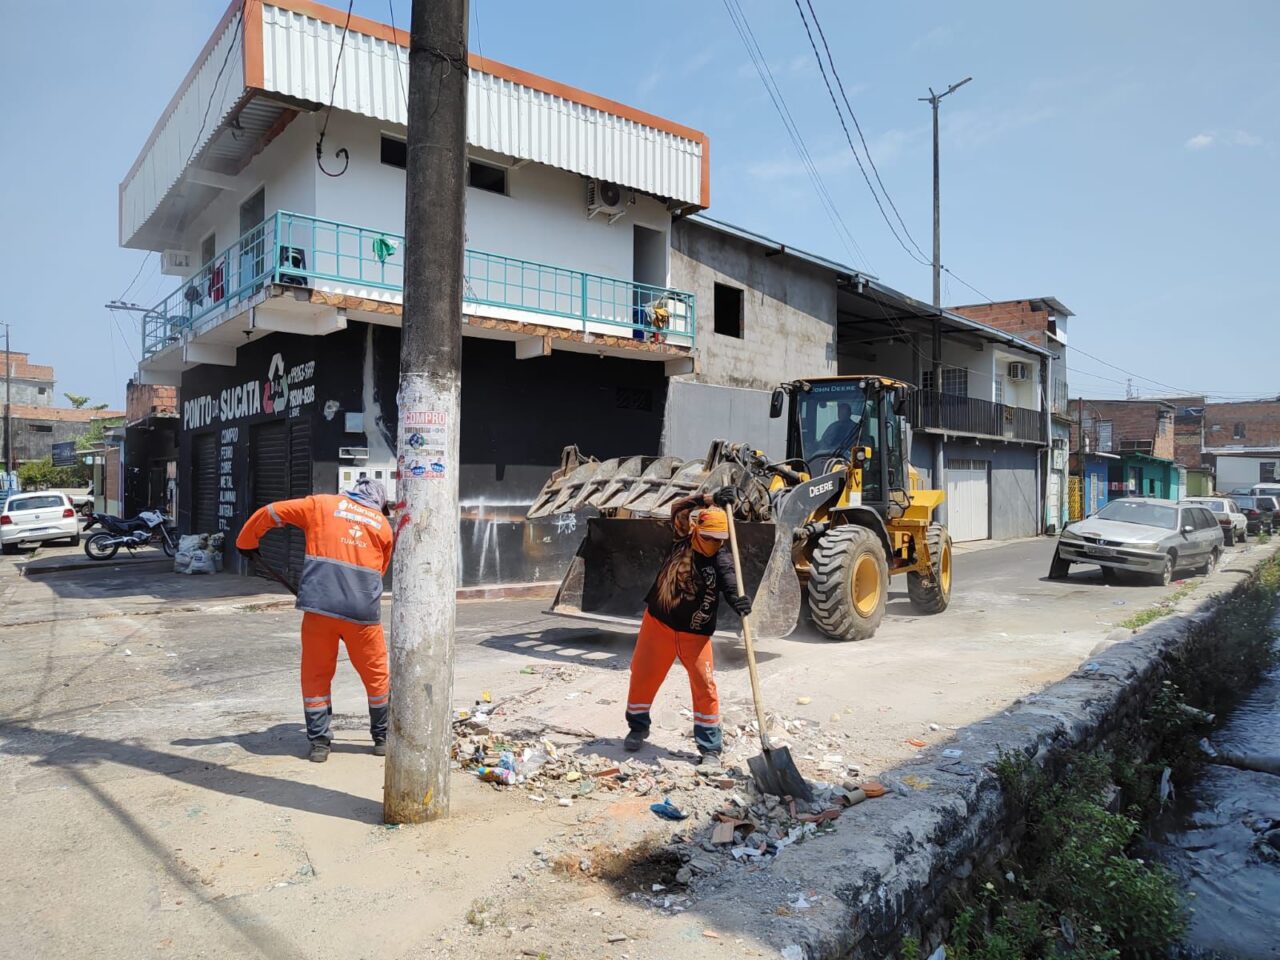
x,y
725,497
741,605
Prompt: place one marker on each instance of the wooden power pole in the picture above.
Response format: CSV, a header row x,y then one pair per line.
x,y
423,606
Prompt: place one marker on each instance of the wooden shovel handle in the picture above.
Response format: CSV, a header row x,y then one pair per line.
x,y
746,635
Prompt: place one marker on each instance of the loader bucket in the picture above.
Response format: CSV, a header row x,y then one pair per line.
x,y
616,564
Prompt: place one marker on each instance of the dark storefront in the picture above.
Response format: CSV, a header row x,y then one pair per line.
x,y
297,414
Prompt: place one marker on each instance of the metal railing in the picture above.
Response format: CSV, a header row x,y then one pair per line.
x,y
943,411
291,249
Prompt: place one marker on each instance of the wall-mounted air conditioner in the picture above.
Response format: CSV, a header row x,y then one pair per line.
x,y
177,263
604,197
1019,371
353,453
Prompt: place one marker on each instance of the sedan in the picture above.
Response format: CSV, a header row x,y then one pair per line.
x,y
38,518
1149,536
1235,525
1259,513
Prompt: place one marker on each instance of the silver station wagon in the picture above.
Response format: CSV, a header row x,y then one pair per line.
x,y
1148,536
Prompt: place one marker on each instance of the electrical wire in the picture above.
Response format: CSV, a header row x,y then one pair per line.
x,y
341,153
857,126
761,64
401,85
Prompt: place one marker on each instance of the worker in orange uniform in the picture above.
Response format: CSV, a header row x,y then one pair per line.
x,y
349,545
680,617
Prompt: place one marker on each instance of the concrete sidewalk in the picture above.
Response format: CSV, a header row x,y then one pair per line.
x,y
151,750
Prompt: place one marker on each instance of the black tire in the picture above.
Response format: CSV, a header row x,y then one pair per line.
x,y
1229,537
1110,574
1059,568
74,541
933,594
840,564
9,549
167,544
1211,564
1163,578
92,550
86,510
1244,535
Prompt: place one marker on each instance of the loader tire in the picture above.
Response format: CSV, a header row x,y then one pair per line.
x,y
849,583
933,594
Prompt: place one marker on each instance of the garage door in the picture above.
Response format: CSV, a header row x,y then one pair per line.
x,y
281,469
204,483
969,499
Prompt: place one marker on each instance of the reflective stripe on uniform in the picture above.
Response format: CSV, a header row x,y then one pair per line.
x,y
706,718
271,511
316,701
639,707
379,701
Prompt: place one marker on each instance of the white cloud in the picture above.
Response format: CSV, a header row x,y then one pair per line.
x,y
1236,138
1243,138
1200,141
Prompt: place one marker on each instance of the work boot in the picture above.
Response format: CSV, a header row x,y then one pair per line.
x,y
634,740
379,748
710,763
319,751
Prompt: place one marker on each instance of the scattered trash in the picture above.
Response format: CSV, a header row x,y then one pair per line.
x,y
1207,748
1119,603
667,810
1091,667
616,937
744,851
804,700
933,727
537,798
658,888
793,951
873,789
486,696
711,934
565,802
1166,786
939,954
953,754
915,742
128,653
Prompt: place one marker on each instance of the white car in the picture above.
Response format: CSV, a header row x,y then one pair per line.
x,y
36,518
1235,525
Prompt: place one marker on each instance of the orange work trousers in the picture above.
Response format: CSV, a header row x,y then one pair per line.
x,y
368,652
657,648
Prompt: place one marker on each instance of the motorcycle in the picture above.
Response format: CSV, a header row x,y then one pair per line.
x,y
148,527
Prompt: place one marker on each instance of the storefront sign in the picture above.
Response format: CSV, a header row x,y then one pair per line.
x,y
284,390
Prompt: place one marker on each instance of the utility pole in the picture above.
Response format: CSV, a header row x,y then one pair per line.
x,y
8,420
423,607
932,99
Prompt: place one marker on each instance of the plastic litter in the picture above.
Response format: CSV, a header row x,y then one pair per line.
x,y
668,810
793,951
953,754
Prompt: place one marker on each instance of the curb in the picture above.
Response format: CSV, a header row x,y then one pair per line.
x,y
542,590
889,871
29,569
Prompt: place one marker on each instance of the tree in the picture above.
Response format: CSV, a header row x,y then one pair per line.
x,y
97,432
77,400
42,474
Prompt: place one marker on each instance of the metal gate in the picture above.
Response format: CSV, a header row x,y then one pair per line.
x,y
204,483
280,469
969,499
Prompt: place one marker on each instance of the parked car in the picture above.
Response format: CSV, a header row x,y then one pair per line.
x,y
1146,535
37,518
1235,525
1259,512
81,500
1266,490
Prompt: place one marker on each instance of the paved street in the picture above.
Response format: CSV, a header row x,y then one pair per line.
x,y
152,727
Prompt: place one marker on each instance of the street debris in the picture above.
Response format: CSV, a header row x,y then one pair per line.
x,y
668,811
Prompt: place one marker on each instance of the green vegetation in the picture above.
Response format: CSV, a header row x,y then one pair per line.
x,y
1160,609
1074,887
42,474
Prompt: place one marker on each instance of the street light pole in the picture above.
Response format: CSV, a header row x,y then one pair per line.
x,y
8,420
932,99
423,607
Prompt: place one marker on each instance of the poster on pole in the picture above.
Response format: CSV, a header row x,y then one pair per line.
x,y
64,454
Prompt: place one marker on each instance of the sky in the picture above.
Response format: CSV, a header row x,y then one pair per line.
x,y
1118,156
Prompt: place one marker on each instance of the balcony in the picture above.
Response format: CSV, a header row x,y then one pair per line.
x,y
981,418
357,264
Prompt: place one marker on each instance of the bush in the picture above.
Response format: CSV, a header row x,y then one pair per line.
x,y
42,474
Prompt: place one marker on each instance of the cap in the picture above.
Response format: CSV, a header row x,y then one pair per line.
x,y
711,522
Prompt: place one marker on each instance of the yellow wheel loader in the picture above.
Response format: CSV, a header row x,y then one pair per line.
x,y
841,514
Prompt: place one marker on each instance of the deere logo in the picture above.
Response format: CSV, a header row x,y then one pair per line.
x,y
820,488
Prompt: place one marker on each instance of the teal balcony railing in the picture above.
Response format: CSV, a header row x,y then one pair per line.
x,y
289,249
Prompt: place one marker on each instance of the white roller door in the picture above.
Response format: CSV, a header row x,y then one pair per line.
x,y
969,499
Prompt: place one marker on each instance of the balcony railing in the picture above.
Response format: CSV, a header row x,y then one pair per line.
x,y
290,249
942,411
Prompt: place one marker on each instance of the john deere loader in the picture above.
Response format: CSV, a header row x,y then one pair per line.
x,y
841,514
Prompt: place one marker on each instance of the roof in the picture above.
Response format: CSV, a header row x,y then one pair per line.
x,y
1051,305
23,411
268,60
862,282
22,370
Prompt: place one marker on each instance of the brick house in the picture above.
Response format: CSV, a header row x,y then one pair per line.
x,y
1242,442
37,428
1141,437
29,383
1042,321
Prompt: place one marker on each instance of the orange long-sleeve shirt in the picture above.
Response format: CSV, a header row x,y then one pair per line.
x,y
349,547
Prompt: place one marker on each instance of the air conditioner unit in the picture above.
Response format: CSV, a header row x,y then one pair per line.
x,y
1019,371
177,263
353,453
604,197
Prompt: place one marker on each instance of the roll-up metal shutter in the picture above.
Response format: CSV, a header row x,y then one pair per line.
x,y
204,483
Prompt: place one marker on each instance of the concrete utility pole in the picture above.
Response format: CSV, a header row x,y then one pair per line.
x,y
423,608
932,99
8,421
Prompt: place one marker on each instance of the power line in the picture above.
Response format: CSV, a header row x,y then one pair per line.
x,y
341,153
758,60
853,116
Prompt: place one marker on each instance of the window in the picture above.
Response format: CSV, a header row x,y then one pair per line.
x,y
48,501
40,427
955,381
208,248
1238,431
1059,394
726,309
1267,471
41,390
394,153
999,389
484,176
1139,446
1104,436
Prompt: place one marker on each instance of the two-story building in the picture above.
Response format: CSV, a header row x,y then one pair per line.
x,y
1241,441
30,384
1042,321
282,329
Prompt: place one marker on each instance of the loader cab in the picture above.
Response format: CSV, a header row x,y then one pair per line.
x,y
832,422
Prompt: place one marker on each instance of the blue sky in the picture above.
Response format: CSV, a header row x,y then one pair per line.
x,y
1120,157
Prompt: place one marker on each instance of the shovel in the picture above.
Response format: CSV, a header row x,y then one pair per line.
x,y
773,770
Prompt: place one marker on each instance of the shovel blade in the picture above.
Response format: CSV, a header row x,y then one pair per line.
x,y
776,773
